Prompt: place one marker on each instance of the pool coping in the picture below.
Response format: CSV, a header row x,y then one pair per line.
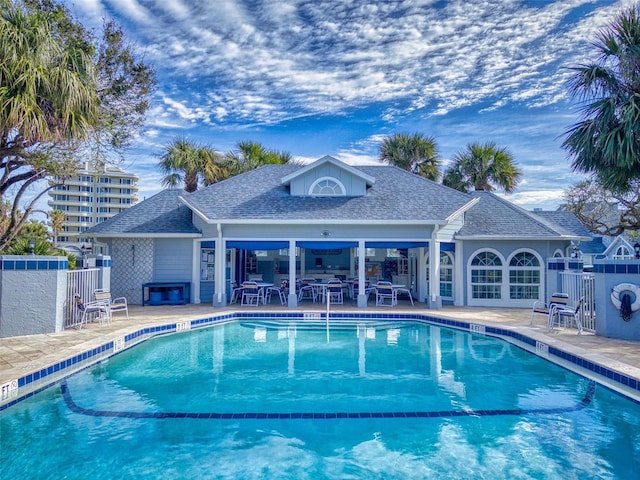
x,y
19,389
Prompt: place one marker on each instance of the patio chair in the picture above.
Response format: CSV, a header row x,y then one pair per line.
x,y
91,311
306,289
278,291
385,292
367,289
406,291
334,290
115,304
236,292
252,294
560,314
542,308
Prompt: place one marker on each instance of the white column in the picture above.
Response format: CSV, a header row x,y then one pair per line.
x,y
434,271
293,295
459,279
195,271
422,274
220,294
362,298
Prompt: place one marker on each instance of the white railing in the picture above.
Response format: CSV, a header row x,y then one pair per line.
x,y
83,283
581,285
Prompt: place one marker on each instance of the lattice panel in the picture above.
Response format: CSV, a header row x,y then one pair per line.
x,y
132,265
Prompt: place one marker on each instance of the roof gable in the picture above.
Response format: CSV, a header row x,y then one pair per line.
x,y
347,180
396,196
619,241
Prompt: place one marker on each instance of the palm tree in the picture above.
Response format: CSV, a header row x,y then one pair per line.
x,y
250,155
481,166
56,222
50,92
185,162
48,98
607,141
412,152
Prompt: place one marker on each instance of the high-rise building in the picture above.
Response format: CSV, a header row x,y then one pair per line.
x,y
90,198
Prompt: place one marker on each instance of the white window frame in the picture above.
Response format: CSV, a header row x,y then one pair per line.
x,y
623,253
524,302
444,268
338,184
503,300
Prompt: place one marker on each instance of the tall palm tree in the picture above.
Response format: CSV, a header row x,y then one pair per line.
x,y
606,142
412,152
250,155
480,167
50,92
56,222
184,162
48,99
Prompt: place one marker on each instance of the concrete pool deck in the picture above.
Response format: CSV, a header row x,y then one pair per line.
x,y
20,356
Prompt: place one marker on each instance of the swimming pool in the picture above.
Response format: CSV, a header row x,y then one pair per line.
x,y
262,398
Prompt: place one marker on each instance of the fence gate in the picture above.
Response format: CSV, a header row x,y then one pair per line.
x,y
581,285
79,282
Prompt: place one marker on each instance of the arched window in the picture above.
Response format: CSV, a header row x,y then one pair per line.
x,y
327,187
486,276
622,253
524,276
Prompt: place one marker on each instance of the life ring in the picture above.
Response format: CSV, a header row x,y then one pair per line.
x,y
618,290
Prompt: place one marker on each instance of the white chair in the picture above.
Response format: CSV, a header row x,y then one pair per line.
x,y
236,292
560,314
367,289
91,311
252,294
115,304
405,291
306,289
278,291
334,290
385,292
542,308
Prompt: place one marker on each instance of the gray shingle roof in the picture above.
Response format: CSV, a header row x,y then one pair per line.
x,y
564,219
161,214
496,217
397,195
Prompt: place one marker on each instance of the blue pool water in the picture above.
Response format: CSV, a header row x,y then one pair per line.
x,y
264,399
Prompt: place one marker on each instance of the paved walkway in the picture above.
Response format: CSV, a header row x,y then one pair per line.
x,y
20,356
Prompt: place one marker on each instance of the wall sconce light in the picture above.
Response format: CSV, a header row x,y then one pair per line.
x,y
325,233
636,248
32,246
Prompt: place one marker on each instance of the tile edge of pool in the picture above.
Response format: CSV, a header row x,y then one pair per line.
x,y
30,384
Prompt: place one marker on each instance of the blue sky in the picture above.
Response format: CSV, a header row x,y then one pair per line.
x,y
318,77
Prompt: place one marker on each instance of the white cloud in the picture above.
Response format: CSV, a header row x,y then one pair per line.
x,y
302,57
461,70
